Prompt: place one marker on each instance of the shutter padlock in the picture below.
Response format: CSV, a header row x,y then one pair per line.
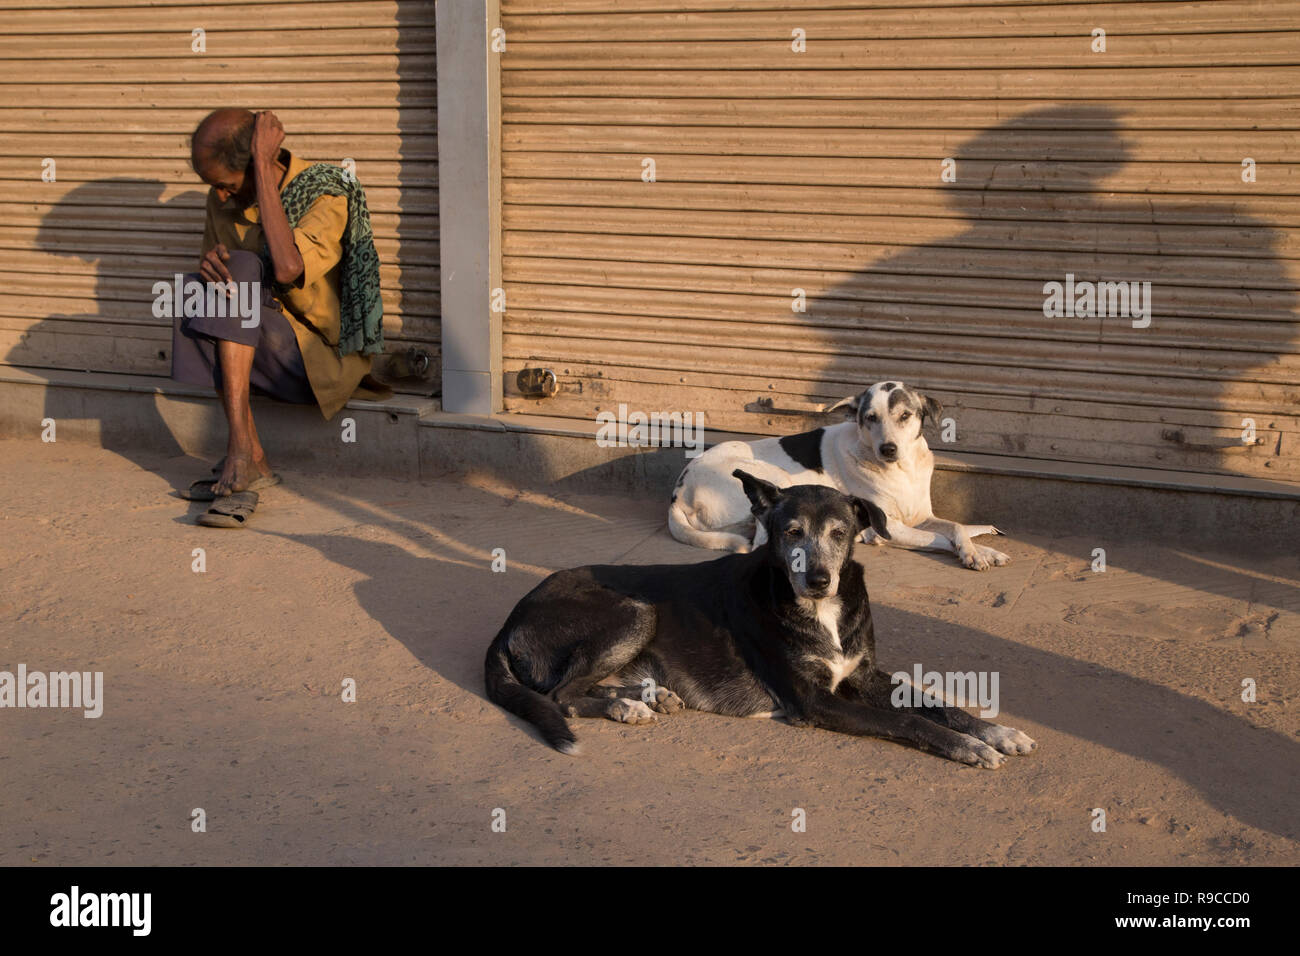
x,y
537,382
412,363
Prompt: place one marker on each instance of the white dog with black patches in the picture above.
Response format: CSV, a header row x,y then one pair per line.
x,y
881,455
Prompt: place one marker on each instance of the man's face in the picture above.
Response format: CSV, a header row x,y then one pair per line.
x,y
227,182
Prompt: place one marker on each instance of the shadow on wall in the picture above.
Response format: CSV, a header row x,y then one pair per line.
x,y
963,316
130,237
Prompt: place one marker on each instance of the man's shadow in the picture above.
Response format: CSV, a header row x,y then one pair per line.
x,y
960,316
954,314
123,235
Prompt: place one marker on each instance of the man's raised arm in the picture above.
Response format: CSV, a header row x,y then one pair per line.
x,y
268,134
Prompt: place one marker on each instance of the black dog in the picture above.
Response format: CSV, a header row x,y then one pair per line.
x,y
784,629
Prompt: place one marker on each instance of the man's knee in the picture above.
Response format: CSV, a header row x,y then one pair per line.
x,y
244,266
178,310
215,310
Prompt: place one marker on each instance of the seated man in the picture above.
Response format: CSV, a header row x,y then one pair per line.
x,y
303,232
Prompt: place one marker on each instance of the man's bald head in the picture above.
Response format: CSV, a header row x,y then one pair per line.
x,y
224,137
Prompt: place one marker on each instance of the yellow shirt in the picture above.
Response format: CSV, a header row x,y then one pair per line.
x,y
312,306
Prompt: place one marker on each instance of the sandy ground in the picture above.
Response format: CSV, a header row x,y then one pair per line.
x,y
223,692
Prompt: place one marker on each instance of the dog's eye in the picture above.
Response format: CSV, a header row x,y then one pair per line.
x,y
905,416
837,534
873,418
794,532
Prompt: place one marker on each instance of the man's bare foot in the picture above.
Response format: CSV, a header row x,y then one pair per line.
x,y
238,472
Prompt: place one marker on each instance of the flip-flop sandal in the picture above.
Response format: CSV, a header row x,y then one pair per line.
x,y
201,490
230,511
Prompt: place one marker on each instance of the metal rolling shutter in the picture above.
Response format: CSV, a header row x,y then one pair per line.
x,y
112,91
820,171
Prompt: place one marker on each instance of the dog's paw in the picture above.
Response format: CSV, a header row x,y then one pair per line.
x,y
627,711
666,702
869,536
979,754
974,560
1007,739
992,556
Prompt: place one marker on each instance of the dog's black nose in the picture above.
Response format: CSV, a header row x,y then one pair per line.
x,y
819,580
889,449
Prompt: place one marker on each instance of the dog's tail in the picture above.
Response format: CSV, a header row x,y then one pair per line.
x,y
679,524
505,690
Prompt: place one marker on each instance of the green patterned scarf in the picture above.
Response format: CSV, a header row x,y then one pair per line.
x,y
361,319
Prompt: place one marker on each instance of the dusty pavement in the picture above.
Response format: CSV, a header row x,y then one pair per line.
x,y
222,691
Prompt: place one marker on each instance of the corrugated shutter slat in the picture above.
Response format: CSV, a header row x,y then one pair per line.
x,y
112,91
778,171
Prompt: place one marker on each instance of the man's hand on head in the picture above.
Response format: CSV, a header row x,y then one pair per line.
x,y
286,260
268,134
213,264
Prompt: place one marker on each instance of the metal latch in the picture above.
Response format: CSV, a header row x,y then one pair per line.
x,y
537,382
1225,445
768,406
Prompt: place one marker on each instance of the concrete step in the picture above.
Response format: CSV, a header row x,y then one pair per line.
x,y
411,438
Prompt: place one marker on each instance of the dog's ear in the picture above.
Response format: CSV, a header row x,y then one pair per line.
x,y
852,403
870,516
761,494
930,409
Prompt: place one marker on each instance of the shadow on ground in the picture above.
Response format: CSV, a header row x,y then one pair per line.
x,y
1244,770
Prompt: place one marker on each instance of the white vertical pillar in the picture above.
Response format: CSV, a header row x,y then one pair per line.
x,y
469,204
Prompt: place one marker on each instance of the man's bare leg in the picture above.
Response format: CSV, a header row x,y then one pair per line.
x,y
245,457
260,464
